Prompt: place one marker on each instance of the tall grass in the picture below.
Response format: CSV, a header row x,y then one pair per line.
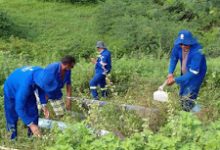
x,y
46,31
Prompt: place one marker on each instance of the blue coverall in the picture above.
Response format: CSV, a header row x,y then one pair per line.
x,y
19,98
55,68
191,81
102,68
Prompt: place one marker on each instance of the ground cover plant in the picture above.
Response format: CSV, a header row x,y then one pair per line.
x,y
140,35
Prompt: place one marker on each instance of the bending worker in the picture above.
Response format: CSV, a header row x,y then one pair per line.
x,y
62,72
20,100
102,68
193,68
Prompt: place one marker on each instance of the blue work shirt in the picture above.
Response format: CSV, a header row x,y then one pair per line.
x,y
191,81
103,64
56,69
19,89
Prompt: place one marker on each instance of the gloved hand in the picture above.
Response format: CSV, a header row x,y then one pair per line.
x,y
170,79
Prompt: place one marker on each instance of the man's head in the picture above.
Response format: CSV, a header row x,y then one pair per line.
x,y
100,45
68,62
185,39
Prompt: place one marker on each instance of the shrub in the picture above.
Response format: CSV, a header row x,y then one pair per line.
x,y
149,27
75,1
5,24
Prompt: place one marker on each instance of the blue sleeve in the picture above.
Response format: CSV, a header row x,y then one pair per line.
x,y
55,95
192,71
196,63
20,101
98,64
105,59
68,78
173,60
42,96
181,79
53,68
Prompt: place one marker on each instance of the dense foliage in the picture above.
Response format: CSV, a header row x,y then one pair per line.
x,y
5,24
146,26
143,27
183,131
74,1
140,35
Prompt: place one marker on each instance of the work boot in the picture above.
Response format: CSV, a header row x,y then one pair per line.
x,y
14,135
187,105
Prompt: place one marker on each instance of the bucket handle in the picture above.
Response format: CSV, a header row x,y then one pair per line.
x,y
162,86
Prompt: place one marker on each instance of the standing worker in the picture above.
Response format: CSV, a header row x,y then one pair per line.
x,y
102,68
20,100
193,68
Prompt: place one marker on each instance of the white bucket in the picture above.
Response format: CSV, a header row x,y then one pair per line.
x,y
160,96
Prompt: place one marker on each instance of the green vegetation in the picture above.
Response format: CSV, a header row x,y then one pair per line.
x,y
140,35
74,1
5,24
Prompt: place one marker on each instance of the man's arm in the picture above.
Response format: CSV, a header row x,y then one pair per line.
x,y
193,70
68,91
43,100
20,107
172,66
173,60
41,96
68,96
20,101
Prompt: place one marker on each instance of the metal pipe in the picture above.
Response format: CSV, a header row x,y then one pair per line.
x,y
77,115
88,102
48,124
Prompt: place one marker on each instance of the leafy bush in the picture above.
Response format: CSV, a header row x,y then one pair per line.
x,y
149,27
126,122
131,30
74,1
183,131
128,23
5,24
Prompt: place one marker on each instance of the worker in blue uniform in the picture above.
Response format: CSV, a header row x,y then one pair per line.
x,y
62,72
20,100
102,68
193,68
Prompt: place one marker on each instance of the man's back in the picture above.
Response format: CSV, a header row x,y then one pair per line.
x,y
20,78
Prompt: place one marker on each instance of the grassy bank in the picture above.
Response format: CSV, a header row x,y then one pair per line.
x,y
39,33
